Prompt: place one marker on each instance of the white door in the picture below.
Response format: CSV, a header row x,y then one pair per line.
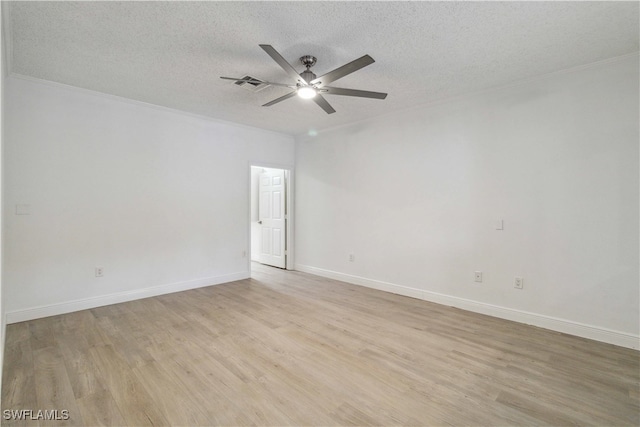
x,y
271,212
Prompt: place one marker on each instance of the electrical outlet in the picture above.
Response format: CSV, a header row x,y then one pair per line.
x,y
478,276
352,257
518,283
99,271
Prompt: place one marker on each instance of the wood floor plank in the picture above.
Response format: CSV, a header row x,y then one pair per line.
x,y
81,368
210,388
18,383
544,413
289,348
53,388
124,332
133,401
172,398
41,334
17,332
100,409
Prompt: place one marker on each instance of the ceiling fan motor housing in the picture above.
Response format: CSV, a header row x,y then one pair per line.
x,y
307,75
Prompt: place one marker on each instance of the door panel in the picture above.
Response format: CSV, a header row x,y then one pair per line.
x,y
272,218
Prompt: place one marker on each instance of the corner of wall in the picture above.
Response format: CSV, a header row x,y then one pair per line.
x,y
3,74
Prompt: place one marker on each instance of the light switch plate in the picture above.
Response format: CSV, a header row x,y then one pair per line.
x,y
23,209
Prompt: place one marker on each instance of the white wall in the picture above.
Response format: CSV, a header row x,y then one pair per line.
x,y
415,195
157,198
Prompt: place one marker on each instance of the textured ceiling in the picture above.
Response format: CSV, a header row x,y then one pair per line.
x,y
172,53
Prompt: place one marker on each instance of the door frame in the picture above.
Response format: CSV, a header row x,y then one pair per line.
x,y
289,191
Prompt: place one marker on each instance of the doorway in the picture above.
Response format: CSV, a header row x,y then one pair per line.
x,y
270,222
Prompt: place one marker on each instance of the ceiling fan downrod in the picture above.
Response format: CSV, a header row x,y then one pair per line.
x,y
308,61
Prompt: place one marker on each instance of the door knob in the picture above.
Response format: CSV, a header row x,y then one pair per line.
x,y
260,222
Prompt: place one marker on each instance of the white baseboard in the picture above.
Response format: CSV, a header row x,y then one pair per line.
x,y
357,280
87,303
547,322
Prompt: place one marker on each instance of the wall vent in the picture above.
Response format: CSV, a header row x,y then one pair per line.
x,y
254,84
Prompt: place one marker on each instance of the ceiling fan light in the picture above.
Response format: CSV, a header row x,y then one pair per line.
x,y
306,92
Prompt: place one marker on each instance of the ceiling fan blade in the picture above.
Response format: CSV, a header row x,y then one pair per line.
x,y
282,98
283,63
340,72
258,81
354,92
319,99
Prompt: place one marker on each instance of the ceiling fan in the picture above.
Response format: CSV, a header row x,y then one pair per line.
x,y
308,86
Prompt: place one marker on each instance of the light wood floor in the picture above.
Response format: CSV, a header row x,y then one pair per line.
x,y
287,348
